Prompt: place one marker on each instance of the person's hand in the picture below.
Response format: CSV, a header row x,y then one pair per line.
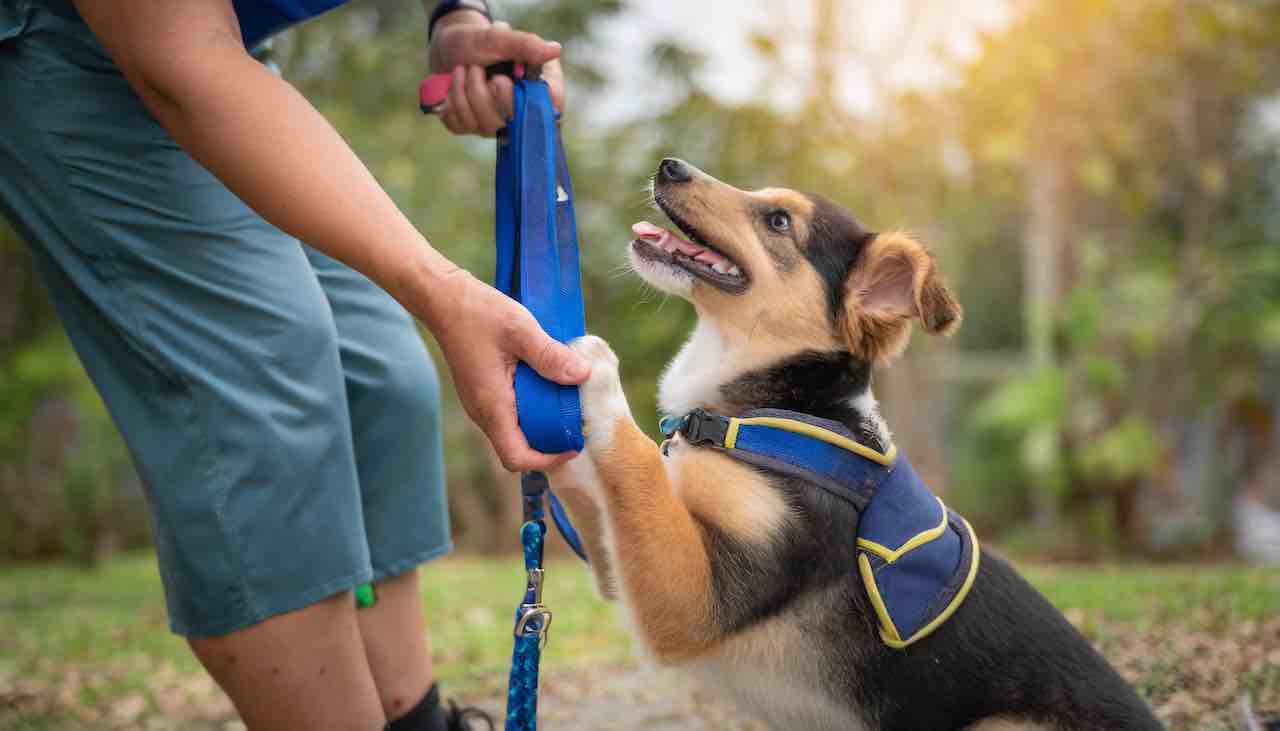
x,y
463,43
483,334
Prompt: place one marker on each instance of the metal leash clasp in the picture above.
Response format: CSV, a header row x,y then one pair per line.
x,y
534,618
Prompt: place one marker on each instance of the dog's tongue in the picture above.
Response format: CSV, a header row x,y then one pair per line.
x,y
668,241
646,230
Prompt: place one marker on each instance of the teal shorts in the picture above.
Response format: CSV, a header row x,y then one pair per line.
x,y
282,410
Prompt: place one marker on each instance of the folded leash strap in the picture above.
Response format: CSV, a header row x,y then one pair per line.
x,y
538,266
916,558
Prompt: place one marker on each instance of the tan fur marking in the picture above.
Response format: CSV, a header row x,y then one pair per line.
x,y
728,494
661,556
896,281
782,312
797,204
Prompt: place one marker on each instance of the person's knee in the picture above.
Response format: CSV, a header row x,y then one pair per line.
x,y
301,669
407,382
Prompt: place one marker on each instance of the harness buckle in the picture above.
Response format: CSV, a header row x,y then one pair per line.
x,y
703,427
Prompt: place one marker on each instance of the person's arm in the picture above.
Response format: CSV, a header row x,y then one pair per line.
x,y
261,138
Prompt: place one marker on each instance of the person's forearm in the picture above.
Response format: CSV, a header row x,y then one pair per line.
x,y
261,138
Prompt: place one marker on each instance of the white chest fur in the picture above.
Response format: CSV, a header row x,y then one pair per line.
x,y
767,671
696,373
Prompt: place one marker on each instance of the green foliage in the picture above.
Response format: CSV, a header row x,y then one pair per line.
x,y
1167,302
1123,452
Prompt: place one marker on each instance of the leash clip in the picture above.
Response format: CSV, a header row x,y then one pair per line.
x,y
535,619
535,585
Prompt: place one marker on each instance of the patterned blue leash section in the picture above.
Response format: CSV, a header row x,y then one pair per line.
x,y
533,619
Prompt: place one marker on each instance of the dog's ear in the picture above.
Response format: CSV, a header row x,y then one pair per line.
x,y
894,280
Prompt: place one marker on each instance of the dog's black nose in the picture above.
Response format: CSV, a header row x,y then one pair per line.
x,y
674,171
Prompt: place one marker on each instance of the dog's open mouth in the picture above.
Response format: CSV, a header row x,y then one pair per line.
x,y
692,254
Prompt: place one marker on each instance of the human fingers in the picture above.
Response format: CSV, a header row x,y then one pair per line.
x,y
459,104
482,102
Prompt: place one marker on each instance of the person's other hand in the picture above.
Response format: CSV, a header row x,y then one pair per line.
x,y
464,42
483,334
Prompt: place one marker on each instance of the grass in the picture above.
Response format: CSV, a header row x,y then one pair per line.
x,y
82,648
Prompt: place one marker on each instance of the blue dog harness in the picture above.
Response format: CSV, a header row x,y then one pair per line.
x,y
917,559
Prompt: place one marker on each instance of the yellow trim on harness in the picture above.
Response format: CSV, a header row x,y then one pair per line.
x,y
809,430
890,555
731,436
888,631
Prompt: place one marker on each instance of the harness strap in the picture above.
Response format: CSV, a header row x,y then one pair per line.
x,y
916,559
822,452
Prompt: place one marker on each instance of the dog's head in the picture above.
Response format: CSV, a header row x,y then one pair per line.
x,y
789,270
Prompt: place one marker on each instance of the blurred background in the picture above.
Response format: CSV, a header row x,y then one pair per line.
x,y
1100,180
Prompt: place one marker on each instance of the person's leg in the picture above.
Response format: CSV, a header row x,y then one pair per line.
x,y
394,398
215,350
302,669
396,643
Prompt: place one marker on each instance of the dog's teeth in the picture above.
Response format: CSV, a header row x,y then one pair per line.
x,y
721,267
735,271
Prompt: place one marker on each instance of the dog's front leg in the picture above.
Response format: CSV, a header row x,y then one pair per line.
x,y
658,548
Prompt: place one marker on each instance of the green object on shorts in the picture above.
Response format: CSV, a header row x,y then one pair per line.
x,y
365,596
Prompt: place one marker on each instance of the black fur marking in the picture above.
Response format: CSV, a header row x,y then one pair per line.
x,y
754,583
834,246
814,383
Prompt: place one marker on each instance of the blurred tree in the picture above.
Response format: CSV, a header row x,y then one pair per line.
x,y
1125,129
1099,178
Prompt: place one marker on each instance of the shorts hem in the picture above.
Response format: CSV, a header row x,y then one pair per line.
x,y
266,609
417,559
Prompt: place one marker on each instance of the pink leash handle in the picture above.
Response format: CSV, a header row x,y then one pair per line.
x,y
434,89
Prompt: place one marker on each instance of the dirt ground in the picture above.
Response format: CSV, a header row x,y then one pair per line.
x,y
1194,673
627,698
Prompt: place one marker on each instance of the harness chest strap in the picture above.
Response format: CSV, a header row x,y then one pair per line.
x,y
917,559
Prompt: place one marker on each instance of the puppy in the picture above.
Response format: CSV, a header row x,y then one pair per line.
x,y
749,573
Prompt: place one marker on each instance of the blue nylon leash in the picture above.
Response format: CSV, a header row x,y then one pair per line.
x,y
538,266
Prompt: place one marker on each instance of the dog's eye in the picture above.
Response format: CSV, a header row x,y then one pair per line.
x,y
780,221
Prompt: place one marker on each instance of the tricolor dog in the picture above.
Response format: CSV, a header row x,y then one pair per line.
x,y
777,545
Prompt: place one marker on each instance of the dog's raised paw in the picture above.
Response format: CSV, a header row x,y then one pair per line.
x,y
603,401
595,350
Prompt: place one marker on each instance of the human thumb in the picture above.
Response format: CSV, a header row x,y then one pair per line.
x,y
515,45
553,360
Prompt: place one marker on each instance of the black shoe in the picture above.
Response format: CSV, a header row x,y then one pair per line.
x,y
460,719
